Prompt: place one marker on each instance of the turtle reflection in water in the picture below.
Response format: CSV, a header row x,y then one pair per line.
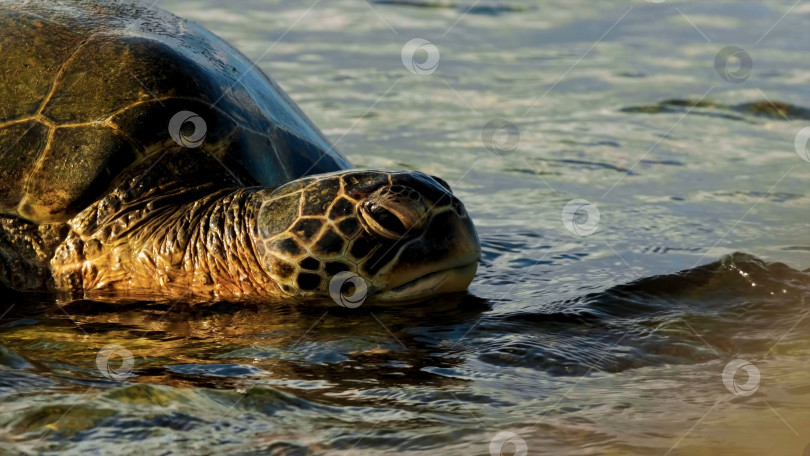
x,y
141,156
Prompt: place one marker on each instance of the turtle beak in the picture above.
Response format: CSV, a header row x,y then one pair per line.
x,y
439,250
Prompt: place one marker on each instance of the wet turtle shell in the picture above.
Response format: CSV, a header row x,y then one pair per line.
x,y
94,94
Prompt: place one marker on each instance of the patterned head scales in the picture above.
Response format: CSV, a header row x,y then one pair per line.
x,y
395,230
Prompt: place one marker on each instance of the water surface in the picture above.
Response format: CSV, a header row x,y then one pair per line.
x,y
592,344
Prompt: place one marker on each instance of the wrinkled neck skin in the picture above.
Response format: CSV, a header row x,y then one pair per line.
x,y
197,251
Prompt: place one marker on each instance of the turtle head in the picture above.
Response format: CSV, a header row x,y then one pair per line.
x,y
403,233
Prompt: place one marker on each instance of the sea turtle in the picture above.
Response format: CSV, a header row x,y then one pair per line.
x,y
142,156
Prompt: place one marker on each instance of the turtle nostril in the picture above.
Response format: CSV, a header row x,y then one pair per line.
x,y
443,183
458,207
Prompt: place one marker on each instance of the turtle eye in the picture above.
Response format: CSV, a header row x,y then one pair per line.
x,y
394,212
384,222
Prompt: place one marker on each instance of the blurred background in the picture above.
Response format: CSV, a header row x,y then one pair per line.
x,y
675,125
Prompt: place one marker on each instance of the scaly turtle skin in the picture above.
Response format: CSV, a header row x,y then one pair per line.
x,y
143,157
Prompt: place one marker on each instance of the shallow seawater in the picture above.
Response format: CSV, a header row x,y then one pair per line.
x,y
610,343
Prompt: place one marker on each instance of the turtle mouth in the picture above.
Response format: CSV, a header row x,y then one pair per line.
x,y
448,280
